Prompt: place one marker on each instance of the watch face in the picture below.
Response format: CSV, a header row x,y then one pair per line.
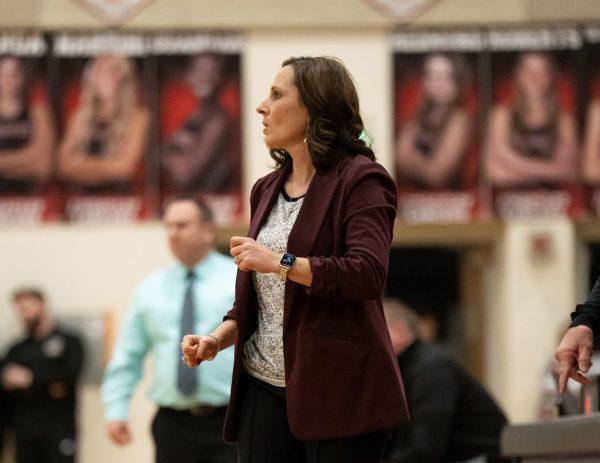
x,y
288,260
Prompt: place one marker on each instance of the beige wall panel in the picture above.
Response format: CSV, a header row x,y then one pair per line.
x,y
258,13
14,13
563,10
473,12
212,14
65,14
274,14
529,299
84,268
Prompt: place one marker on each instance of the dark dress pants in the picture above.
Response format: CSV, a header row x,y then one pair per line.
x,y
189,437
264,435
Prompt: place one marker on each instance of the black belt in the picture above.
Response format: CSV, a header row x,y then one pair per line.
x,y
196,410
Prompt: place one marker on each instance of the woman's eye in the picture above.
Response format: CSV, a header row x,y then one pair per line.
x,y
276,95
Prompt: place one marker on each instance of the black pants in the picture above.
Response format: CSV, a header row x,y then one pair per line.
x,y
264,435
182,437
52,444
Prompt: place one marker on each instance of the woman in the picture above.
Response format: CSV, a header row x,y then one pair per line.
x,y
26,132
197,157
315,378
431,148
532,142
105,140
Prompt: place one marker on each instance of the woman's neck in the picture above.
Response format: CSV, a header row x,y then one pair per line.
x,y
536,112
302,171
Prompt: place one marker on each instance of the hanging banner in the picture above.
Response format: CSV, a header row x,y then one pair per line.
x,y
200,106
531,148
436,131
590,144
27,132
101,159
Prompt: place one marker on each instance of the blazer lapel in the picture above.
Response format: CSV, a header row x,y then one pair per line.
x,y
265,203
316,204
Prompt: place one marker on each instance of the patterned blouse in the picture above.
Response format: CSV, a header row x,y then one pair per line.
x,y
263,352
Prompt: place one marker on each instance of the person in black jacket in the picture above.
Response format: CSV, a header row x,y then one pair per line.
x,y
453,418
40,374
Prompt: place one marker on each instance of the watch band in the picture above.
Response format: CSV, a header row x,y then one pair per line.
x,y
283,273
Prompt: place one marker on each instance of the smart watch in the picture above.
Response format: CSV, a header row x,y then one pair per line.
x,y
285,264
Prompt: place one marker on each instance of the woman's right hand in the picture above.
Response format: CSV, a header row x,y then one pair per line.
x,y
195,349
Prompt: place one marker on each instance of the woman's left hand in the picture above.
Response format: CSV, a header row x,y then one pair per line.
x,y
251,256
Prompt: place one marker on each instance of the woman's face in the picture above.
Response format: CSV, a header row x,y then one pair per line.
x,y
107,79
284,116
534,74
11,76
439,80
203,75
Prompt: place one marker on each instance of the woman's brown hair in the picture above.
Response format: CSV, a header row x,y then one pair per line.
x,y
335,126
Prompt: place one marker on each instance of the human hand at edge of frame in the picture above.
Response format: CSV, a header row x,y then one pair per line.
x,y
196,349
118,432
249,255
574,355
16,376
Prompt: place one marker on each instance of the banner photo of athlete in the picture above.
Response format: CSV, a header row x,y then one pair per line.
x,y
436,129
531,149
200,137
590,143
27,132
102,154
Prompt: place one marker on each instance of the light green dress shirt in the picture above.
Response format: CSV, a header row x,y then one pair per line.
x,y
153,325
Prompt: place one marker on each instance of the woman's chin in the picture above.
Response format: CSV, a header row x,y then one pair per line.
x,y
271,146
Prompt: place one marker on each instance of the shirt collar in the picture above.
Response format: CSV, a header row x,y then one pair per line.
x,y
201,269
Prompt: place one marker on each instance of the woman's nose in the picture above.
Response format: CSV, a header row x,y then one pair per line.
x,y
261,108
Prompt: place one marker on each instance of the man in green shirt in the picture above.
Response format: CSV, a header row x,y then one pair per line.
x,y
190,296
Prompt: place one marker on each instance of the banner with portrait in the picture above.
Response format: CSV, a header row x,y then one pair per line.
x,y
27,132
436,125
199,126
531,148
590,141
105,120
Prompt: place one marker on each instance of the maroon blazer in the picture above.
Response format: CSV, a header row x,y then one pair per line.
x,y
341,373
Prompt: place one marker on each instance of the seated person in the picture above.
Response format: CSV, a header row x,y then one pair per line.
x,y
453,418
